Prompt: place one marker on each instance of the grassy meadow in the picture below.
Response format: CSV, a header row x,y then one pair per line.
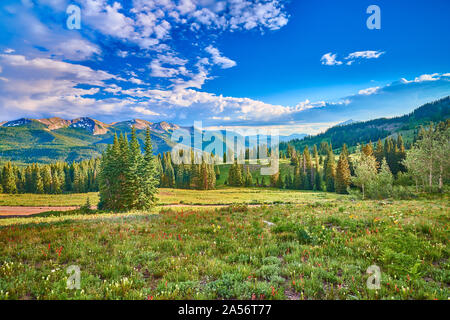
x,y
179,196
313,246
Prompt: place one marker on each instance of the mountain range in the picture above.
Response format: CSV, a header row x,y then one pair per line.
x,y
55,139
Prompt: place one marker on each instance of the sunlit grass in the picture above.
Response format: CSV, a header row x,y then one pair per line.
x,y
177,196
319,248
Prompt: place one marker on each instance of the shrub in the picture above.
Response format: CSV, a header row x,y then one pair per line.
x,y
403,179
402,193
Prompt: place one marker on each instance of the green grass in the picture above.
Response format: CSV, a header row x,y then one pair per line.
x,y
319,248
47,200
177,196
242,196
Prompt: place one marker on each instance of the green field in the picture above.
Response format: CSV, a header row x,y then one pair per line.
x,y
178,196
48,200
319,247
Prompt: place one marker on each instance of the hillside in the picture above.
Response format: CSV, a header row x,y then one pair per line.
x,y
48,140
372,130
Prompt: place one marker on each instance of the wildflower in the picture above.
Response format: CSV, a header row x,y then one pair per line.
x,y
273,291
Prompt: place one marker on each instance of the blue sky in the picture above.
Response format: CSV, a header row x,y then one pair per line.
x,y
300,66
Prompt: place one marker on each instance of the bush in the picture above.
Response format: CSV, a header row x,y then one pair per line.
x,y
403,179
86,207
402,193
355,194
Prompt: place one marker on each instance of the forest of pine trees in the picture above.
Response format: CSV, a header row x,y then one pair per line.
x,y
311,171
200,174
60,177
128,178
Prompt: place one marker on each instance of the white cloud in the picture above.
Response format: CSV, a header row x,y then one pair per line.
x,y
122,54
149,22
369,54
218,59
76,49
426,77
329,59
41,85
144,111
305,105
38,87
136,81
157,70
42,67
369,91
171,59
146,30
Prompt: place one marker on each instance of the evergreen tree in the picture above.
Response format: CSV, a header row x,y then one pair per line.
x,y
110,176
288,181
400,155
343,176
274,180
248,178
330,172
148,176
297,184
263,181
47,179
280,182
308,170
379,152
235,177
38,186
368,149
9,179
132,171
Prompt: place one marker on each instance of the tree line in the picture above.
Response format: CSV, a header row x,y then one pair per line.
x,y
123,172
200,174
55,178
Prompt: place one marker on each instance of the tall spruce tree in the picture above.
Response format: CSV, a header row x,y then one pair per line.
x,y
9,179
343,177
330,171
248,178
148,176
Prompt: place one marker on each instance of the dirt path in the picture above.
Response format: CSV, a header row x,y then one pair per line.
x,y
26,211
15,211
